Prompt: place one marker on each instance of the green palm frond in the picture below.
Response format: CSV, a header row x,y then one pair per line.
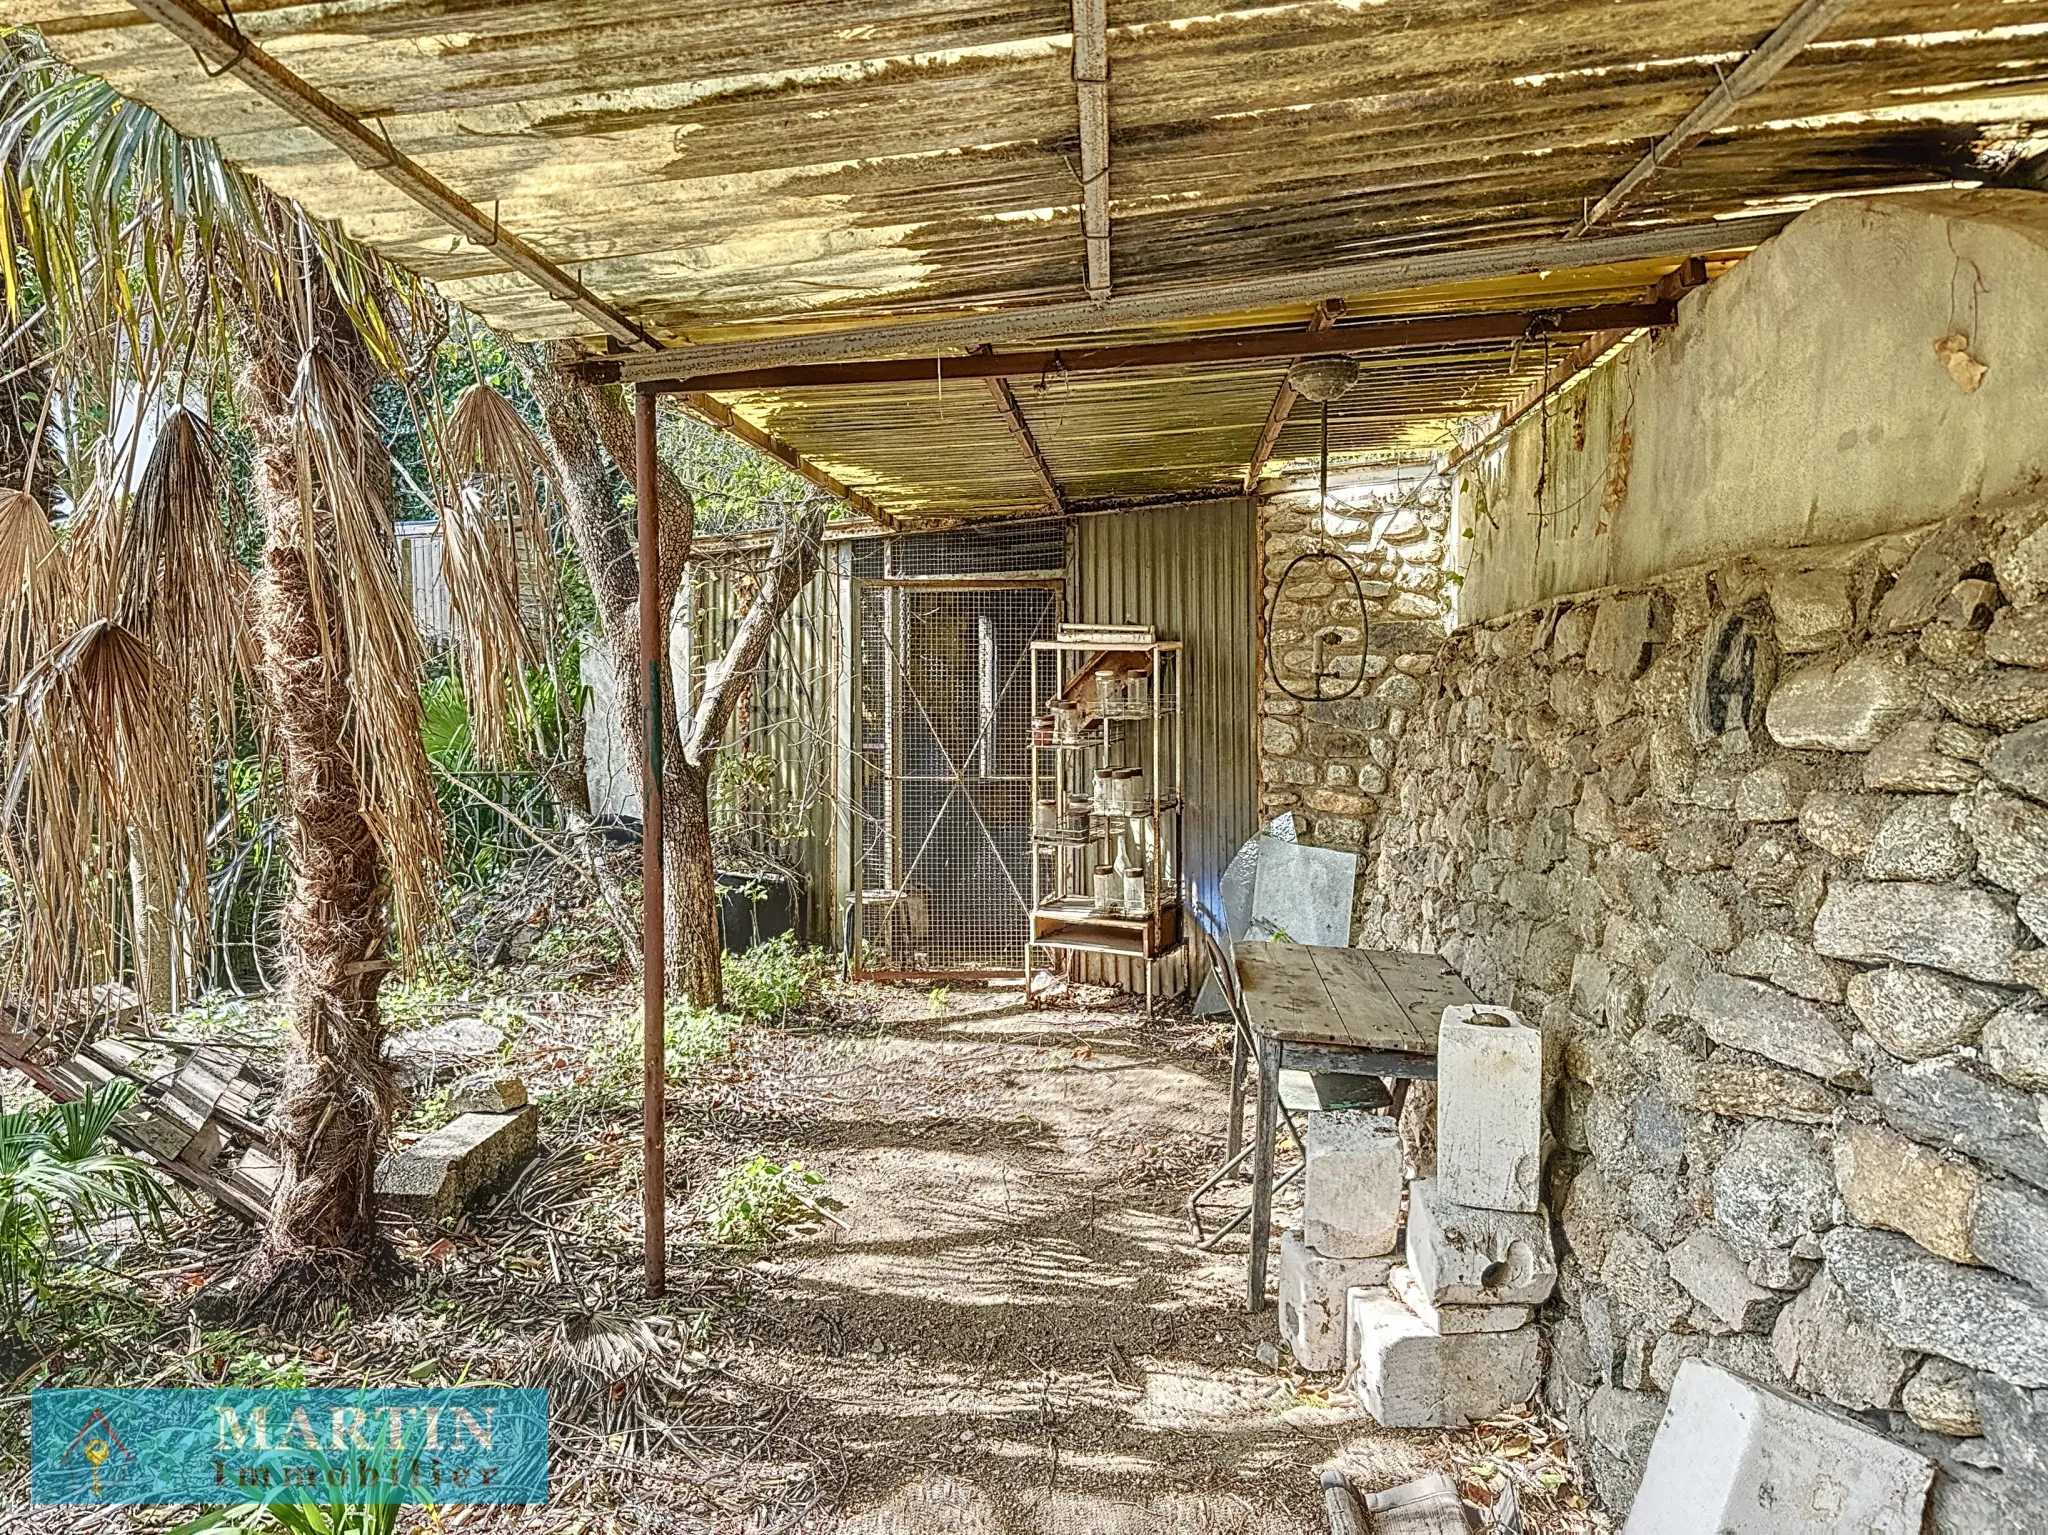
x,y
56,1171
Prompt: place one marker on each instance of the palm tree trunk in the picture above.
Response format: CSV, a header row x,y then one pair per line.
x,y
333,1117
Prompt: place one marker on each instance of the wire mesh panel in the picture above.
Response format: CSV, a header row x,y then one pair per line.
x,y
945,701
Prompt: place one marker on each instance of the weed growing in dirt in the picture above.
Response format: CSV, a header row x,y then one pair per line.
x,y
759,1201
695,1037
774,979
936,1002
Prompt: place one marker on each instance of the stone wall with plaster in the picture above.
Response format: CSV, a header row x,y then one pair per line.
x,y
1322,756
1763,845
1879,364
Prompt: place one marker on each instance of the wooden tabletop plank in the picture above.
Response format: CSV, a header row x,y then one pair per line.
x,y
1369,1014
1347,998
1283,994
1425,985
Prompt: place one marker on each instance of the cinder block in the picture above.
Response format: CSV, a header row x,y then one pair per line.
x,y
1351,1187
1409,1376
1489,1108
1736,1458
1408,1290
1313,1289
1463,1255
444,1170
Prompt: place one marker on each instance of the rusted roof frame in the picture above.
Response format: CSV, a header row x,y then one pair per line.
x,y
231,50
1283,401
1370,336
1386,274
723,417
1013,418
1750,76
1091,90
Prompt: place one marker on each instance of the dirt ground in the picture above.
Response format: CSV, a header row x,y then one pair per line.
x,y
1013,1330
1004,1326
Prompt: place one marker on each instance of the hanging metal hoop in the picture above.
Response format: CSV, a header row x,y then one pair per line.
x,y
1357,679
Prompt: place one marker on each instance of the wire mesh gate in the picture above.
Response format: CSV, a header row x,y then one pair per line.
x,y
944,873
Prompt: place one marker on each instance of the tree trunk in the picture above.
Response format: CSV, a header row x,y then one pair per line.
x,y
695,947
333,1117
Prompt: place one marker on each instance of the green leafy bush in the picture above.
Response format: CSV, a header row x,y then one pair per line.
x,y
759,1201
774,979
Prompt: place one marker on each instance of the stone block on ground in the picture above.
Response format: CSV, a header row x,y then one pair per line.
x,y
1408,1375
442,1051
1489,1109
489,1092
1313,1292
442,1171
1463,1255
1737,1458
1351,1185
1408,1290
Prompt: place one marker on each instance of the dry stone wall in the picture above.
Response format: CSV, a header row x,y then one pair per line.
x,y
1764,846
1322,756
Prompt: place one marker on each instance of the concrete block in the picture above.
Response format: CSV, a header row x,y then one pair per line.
x,y
1351,1186
1463,1255
488,1092
1408,1290
1736,1458
441,1172
1407,1375
1312,1299
1489,1109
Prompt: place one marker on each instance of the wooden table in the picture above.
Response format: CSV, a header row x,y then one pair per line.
x,y
1311,1008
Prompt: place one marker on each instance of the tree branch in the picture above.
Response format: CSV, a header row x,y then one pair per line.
x,y
791,563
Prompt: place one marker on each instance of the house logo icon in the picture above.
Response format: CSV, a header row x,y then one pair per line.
x,y
96,1462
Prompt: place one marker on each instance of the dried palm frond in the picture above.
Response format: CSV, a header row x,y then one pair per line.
x,y
33,585
175,582
103,785
498,560
341,461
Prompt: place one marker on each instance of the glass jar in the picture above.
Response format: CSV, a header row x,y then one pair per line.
x,y
1108,887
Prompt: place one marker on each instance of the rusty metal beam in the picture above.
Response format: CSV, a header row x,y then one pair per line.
x,y
1283,401
1091,91
1254,346
1750,76
1013,418
723,417
225,49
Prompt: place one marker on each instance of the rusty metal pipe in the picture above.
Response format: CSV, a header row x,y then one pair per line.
x,y
653,902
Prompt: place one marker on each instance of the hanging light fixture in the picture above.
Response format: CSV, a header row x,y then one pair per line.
x,y
1323,379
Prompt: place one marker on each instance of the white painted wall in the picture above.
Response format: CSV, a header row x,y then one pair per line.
x,y
1800,399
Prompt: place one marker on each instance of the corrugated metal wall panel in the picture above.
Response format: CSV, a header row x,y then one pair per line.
x,y
1191,572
